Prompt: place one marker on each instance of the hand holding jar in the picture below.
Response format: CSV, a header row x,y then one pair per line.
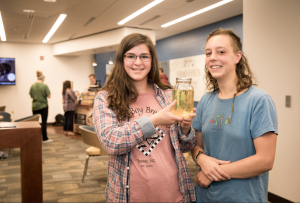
x,y
183,92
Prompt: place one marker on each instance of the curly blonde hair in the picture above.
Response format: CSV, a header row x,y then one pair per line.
x,y
120,88
245,77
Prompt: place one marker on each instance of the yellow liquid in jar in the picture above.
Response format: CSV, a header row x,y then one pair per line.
x,y
185,102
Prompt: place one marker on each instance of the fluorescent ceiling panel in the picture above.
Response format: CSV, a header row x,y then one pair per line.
x,y
142,10
54,28
2,32
196,13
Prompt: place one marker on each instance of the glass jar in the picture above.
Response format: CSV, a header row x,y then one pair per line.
x,y
183,92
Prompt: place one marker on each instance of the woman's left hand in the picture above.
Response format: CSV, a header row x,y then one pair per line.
x,y
187,122
202,180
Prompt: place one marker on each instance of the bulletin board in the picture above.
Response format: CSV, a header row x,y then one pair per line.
x,y
189,67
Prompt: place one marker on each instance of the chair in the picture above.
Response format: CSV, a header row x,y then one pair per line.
x,y
90,138
5,117
34,117
2,108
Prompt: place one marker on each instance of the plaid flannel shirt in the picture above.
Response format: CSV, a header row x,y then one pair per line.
x,y
118,138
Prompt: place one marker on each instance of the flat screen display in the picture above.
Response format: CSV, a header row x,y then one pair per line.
x,y
7,71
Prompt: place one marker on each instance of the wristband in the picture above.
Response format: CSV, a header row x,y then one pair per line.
x,y
197,155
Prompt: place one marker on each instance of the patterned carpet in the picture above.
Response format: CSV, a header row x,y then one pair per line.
x,y
63,164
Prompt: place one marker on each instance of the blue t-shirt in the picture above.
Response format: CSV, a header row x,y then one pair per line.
x,y
253,115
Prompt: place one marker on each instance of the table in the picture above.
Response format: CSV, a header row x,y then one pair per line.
x,y
27,136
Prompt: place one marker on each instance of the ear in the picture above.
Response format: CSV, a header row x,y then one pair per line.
x,y
238,57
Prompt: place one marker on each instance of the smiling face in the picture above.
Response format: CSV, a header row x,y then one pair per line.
x,y
221,59
138,70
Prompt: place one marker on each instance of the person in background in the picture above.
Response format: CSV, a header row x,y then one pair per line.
x,y
69,98
236,127
163,77
135,125
92,78
39,92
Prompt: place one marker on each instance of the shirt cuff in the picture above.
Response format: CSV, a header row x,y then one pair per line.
x,y
147,126
186,138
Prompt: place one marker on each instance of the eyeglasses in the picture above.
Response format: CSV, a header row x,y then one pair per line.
x,y
132,57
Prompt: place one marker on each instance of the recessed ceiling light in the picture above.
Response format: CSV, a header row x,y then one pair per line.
x,y
50,0
28,11
196,13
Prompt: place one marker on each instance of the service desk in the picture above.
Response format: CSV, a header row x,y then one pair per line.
x,y
83,116
27,136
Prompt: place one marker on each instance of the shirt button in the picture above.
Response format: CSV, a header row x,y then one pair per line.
x,y
127,168
127,186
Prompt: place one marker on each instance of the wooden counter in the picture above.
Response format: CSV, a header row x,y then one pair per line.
x,y
82,116
27,136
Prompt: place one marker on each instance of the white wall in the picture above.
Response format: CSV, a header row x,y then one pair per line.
x,y
271,42
56,70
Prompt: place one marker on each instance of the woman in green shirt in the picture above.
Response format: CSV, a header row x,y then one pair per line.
x,y
39,93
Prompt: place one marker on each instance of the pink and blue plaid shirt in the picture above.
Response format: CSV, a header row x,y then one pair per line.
x,y
118,138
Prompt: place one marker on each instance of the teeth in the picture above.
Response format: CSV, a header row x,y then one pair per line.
x,y
214,67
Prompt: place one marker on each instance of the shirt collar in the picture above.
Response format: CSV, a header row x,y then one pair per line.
x,y
156,88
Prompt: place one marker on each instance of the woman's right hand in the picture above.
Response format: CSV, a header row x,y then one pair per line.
x,y
165,117
211,169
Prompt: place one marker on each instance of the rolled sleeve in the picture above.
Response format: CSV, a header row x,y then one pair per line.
x,y
185,138
147,126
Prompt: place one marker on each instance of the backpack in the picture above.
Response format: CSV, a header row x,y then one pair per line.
x,y
59,120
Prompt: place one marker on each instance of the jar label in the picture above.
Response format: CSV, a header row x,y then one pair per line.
x,y
185,102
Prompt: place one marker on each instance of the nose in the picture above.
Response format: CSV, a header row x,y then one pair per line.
x,y
213,56
138,60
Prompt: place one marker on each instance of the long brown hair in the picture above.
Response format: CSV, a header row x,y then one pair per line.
x,y
120,88
66,84
245,77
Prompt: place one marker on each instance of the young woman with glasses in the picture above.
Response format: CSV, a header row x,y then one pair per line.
x,y
135,125
236,127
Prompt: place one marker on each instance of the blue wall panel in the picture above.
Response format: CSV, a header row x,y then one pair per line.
x,y
101,60
190,43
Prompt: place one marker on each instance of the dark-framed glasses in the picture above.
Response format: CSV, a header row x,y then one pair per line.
x,y
133,57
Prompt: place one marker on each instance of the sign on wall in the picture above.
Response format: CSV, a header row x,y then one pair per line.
x,y
189,67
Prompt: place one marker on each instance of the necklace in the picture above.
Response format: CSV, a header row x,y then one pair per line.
x,y
229,118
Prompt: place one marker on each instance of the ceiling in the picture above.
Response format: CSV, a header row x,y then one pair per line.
x,y
32,28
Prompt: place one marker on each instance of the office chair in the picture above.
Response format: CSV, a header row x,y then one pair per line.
x,y
34,117
5,117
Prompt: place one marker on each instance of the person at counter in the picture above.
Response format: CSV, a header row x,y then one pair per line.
x,y
69,98
39,92
93,81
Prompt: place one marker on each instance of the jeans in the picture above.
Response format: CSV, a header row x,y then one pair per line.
x,y
44,115
68,121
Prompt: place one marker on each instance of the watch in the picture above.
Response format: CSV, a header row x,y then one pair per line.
x,y
197,155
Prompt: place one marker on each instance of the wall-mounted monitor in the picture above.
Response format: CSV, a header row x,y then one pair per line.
x,y
7,71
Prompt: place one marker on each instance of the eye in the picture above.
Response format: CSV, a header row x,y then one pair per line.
x,y
131,56
145,57
208,53
221,52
